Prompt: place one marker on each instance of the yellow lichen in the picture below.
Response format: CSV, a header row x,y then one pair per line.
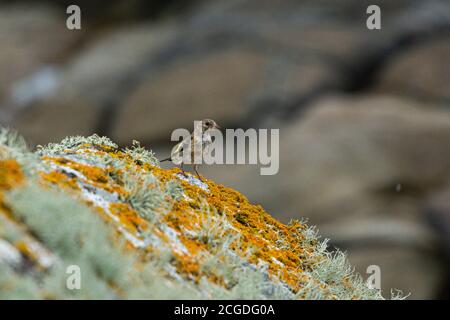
x,y
10,174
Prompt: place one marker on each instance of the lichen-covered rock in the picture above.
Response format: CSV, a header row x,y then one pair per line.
x,y
138,231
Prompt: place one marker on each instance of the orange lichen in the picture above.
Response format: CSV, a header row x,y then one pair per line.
x,y
11,174
60,179
258,230
128,217
26,251
207,232
95,176
268,240
188,265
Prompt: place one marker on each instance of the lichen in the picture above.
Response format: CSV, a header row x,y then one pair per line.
x,y
141,155
121,217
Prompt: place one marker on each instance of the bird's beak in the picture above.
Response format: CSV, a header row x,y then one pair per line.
x,y
218,127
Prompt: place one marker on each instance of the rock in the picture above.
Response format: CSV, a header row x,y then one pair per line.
x,y
350,151
53,118
21,33
412,263
123,220
437,213
391,234
110,61
8,253
362,169
106,65
218,86
420,71
343,147
341,165
253,62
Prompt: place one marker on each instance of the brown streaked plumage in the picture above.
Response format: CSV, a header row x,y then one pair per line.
x,y
177,151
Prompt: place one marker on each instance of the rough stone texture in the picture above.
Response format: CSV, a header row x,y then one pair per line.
x,y
138,231
61,115
411,261
365,143
89,83
344,160
437,211
375,161
218,86
307,51
361,168
420,72
111,59
279,57
30,35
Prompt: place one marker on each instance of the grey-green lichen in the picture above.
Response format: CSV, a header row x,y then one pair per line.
x,y
139,231
69,143
140,154
144,194
78,237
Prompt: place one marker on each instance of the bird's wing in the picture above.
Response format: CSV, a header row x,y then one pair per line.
x,y
177,150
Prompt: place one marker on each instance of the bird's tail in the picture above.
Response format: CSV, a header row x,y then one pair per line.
x,y
166,159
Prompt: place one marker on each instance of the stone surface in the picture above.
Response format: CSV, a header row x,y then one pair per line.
x,y
31,35
361,168
411,261
420,72
62,116
437,210
345,146
378,163
139,231
342,164
89,84
104,67
218,86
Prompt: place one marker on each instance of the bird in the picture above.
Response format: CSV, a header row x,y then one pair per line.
x,y
190,142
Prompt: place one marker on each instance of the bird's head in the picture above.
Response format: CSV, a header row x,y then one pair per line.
x,y
209,124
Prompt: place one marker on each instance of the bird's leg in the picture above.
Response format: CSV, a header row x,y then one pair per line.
x,y
195,169
182,170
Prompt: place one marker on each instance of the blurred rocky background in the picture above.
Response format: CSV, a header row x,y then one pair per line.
x,y
364,115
